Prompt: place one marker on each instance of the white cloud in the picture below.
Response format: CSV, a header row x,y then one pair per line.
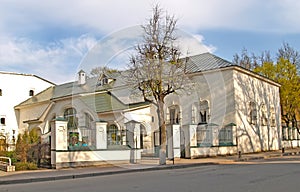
x,y
23,21
194,15
56,61
194,44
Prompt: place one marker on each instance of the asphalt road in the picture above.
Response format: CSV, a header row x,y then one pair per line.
x,y
271,175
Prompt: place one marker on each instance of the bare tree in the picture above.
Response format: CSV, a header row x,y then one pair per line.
x,y
253,61
97,71
156,69
243,60
289,53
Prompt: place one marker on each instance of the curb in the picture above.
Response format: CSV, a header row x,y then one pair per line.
x,y
268,156
249,159
85,175
291,153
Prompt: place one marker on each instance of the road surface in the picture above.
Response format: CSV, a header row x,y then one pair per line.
x,y
281,174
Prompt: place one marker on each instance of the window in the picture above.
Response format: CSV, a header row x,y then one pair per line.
x,y
88,120
31,92
225,136
284,133
2,121
113,135
70,116
204,111
87,132
173,115
104,81
272,117
0,92
253,113
264,119
204,136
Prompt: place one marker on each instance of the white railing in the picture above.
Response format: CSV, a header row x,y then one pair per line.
x,y
9,160
6,165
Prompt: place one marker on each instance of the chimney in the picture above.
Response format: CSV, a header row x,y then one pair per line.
x,y
81,77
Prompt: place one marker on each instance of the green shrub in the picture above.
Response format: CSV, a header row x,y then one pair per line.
x,y
32,166
12,155
25,166
20,166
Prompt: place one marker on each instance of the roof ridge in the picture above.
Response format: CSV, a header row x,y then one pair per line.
x,y
26,74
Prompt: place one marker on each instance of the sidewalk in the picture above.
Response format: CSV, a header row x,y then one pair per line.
x,y
146,164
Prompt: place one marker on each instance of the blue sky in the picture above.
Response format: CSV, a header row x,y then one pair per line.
x,y
51,39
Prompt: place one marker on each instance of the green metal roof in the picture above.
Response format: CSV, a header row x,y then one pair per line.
x,y
116,95
106,102
206,62
103,102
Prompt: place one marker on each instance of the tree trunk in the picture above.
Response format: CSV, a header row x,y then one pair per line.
x,y
163,133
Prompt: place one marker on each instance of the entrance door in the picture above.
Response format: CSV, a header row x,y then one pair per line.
x,y
145,140
182,144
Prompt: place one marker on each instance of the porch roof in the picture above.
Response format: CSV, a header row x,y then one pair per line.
x,y
107,102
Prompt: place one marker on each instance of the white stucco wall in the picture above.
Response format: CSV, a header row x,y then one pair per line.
x,y
217,88
82,158
229,91
256,137
15,89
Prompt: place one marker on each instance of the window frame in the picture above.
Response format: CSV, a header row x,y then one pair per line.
x,y
252,113
70,114
115,140
204,111
3,121
272,117
264,117
31,92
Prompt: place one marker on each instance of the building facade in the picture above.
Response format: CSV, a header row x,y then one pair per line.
x,y
94,120
15,88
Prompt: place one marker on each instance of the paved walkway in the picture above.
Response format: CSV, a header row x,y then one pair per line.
x,y
147,164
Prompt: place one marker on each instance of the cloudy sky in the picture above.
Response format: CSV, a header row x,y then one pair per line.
x,y
52,38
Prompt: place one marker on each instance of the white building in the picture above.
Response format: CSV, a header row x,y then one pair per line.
x,y
15,88
96,120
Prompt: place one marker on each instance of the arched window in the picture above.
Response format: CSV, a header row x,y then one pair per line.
x,y
252,113
70,116
264,117
272,116
174,114
31,92
204,111
113,135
